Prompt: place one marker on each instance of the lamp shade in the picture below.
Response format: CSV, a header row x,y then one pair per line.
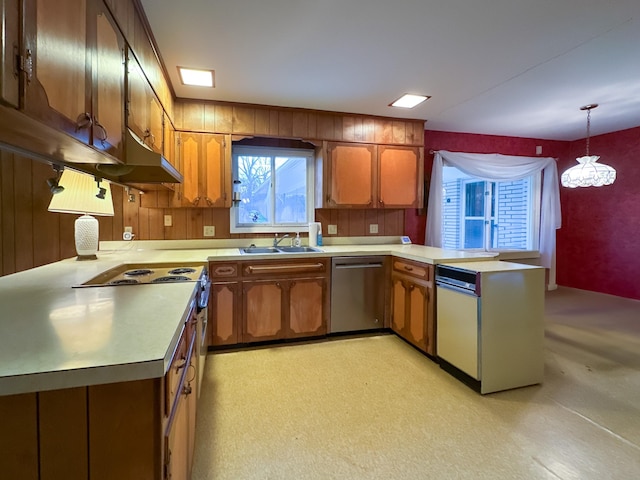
x,y
79,195
83,195
588,173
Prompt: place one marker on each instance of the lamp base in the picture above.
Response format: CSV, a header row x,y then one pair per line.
x,y
86,257
86,236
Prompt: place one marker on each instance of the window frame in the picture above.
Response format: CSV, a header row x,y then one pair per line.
x,y
272,152
533,213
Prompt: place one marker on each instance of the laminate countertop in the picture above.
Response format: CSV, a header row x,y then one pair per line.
x,y
54,336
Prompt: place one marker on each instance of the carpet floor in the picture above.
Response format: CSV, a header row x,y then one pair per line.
x,y
375,408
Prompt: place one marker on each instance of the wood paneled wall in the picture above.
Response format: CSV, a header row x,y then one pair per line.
x,y
31,236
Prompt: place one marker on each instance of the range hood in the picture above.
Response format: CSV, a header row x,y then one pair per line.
x,y
142,165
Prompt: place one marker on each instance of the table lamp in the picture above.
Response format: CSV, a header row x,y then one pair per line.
x,y
85,195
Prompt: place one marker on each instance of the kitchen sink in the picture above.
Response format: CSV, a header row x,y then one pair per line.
x,y
269,250
299,249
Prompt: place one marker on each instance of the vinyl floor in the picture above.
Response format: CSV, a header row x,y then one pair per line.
x,y
375,408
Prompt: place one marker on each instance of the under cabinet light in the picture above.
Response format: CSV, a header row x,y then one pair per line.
x,y
409,101
195,77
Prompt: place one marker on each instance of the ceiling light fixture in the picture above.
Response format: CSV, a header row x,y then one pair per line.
x,y
588,172
196,77
409,100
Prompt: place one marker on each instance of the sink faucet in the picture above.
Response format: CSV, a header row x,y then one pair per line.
x,y
277,240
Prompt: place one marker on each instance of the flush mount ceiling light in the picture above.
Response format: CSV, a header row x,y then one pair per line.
x,y
409,100
196,77
588,172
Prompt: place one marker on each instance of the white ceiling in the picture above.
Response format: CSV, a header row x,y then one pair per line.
x,y
504,67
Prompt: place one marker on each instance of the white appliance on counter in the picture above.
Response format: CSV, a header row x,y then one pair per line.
x,y
490,323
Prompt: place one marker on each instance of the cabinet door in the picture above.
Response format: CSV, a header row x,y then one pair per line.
x,y
225,313
400,177
415,329
307,307
145,115
262,311
352,175
58,62
205,166
108,84
10,37
398,304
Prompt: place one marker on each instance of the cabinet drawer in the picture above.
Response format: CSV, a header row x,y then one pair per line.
x,y
178,363
223,270
423,271
282,268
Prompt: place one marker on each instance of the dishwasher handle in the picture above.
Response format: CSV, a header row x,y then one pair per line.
x,y
357,265
456,288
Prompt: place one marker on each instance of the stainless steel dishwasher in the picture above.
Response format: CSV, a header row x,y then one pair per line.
x,y
358,291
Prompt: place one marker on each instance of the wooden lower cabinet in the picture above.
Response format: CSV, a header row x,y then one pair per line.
x,y
136,430
262,300
412,305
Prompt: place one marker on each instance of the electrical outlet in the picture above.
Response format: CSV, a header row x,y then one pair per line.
x,y
210,231
373,228
168,220
332,230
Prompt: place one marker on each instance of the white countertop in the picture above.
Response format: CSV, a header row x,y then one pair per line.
x,y
54,336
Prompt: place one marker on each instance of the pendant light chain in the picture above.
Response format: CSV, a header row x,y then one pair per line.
x,y
588,128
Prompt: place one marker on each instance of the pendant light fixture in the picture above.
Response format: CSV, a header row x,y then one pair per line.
x,y
588,172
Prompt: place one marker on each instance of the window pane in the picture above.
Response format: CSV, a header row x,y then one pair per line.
x,y
473,233
291,189
254,174
474,204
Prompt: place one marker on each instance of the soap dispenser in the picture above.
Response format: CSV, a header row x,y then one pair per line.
x,y
296,241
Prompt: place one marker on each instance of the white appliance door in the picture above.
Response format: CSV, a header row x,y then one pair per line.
x,y
457,329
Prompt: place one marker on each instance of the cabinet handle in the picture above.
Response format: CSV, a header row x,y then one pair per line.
x,y
150,136
26,64
187,390
83,121
208,200
196,201
408,268
101,132
278,268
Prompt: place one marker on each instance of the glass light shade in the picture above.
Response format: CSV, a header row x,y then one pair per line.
x,y
588,173
79,197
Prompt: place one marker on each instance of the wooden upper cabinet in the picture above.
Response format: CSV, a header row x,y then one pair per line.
x,y
145,114
56,59
358,175
108,84
73,72
205,161
350,175
10,38
400,176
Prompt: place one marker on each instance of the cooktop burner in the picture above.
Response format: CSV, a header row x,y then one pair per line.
x,y
139,272
124,281
182,270
171,278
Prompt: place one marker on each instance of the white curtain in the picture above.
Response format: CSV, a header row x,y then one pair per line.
x,y
496,167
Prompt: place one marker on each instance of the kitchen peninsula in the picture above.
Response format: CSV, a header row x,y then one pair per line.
x,y
66,351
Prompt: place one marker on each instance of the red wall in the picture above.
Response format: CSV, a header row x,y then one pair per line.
x,y
598,246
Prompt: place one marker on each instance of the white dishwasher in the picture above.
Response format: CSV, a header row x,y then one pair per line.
x,y
490,323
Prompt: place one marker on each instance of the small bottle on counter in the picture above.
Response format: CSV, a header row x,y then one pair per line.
x,y
319,235
296,241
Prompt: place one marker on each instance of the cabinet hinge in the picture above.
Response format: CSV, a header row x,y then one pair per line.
x,y
25,64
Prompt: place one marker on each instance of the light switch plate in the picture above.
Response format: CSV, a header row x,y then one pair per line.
x,y
168,220
210,231
332,229
373,228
